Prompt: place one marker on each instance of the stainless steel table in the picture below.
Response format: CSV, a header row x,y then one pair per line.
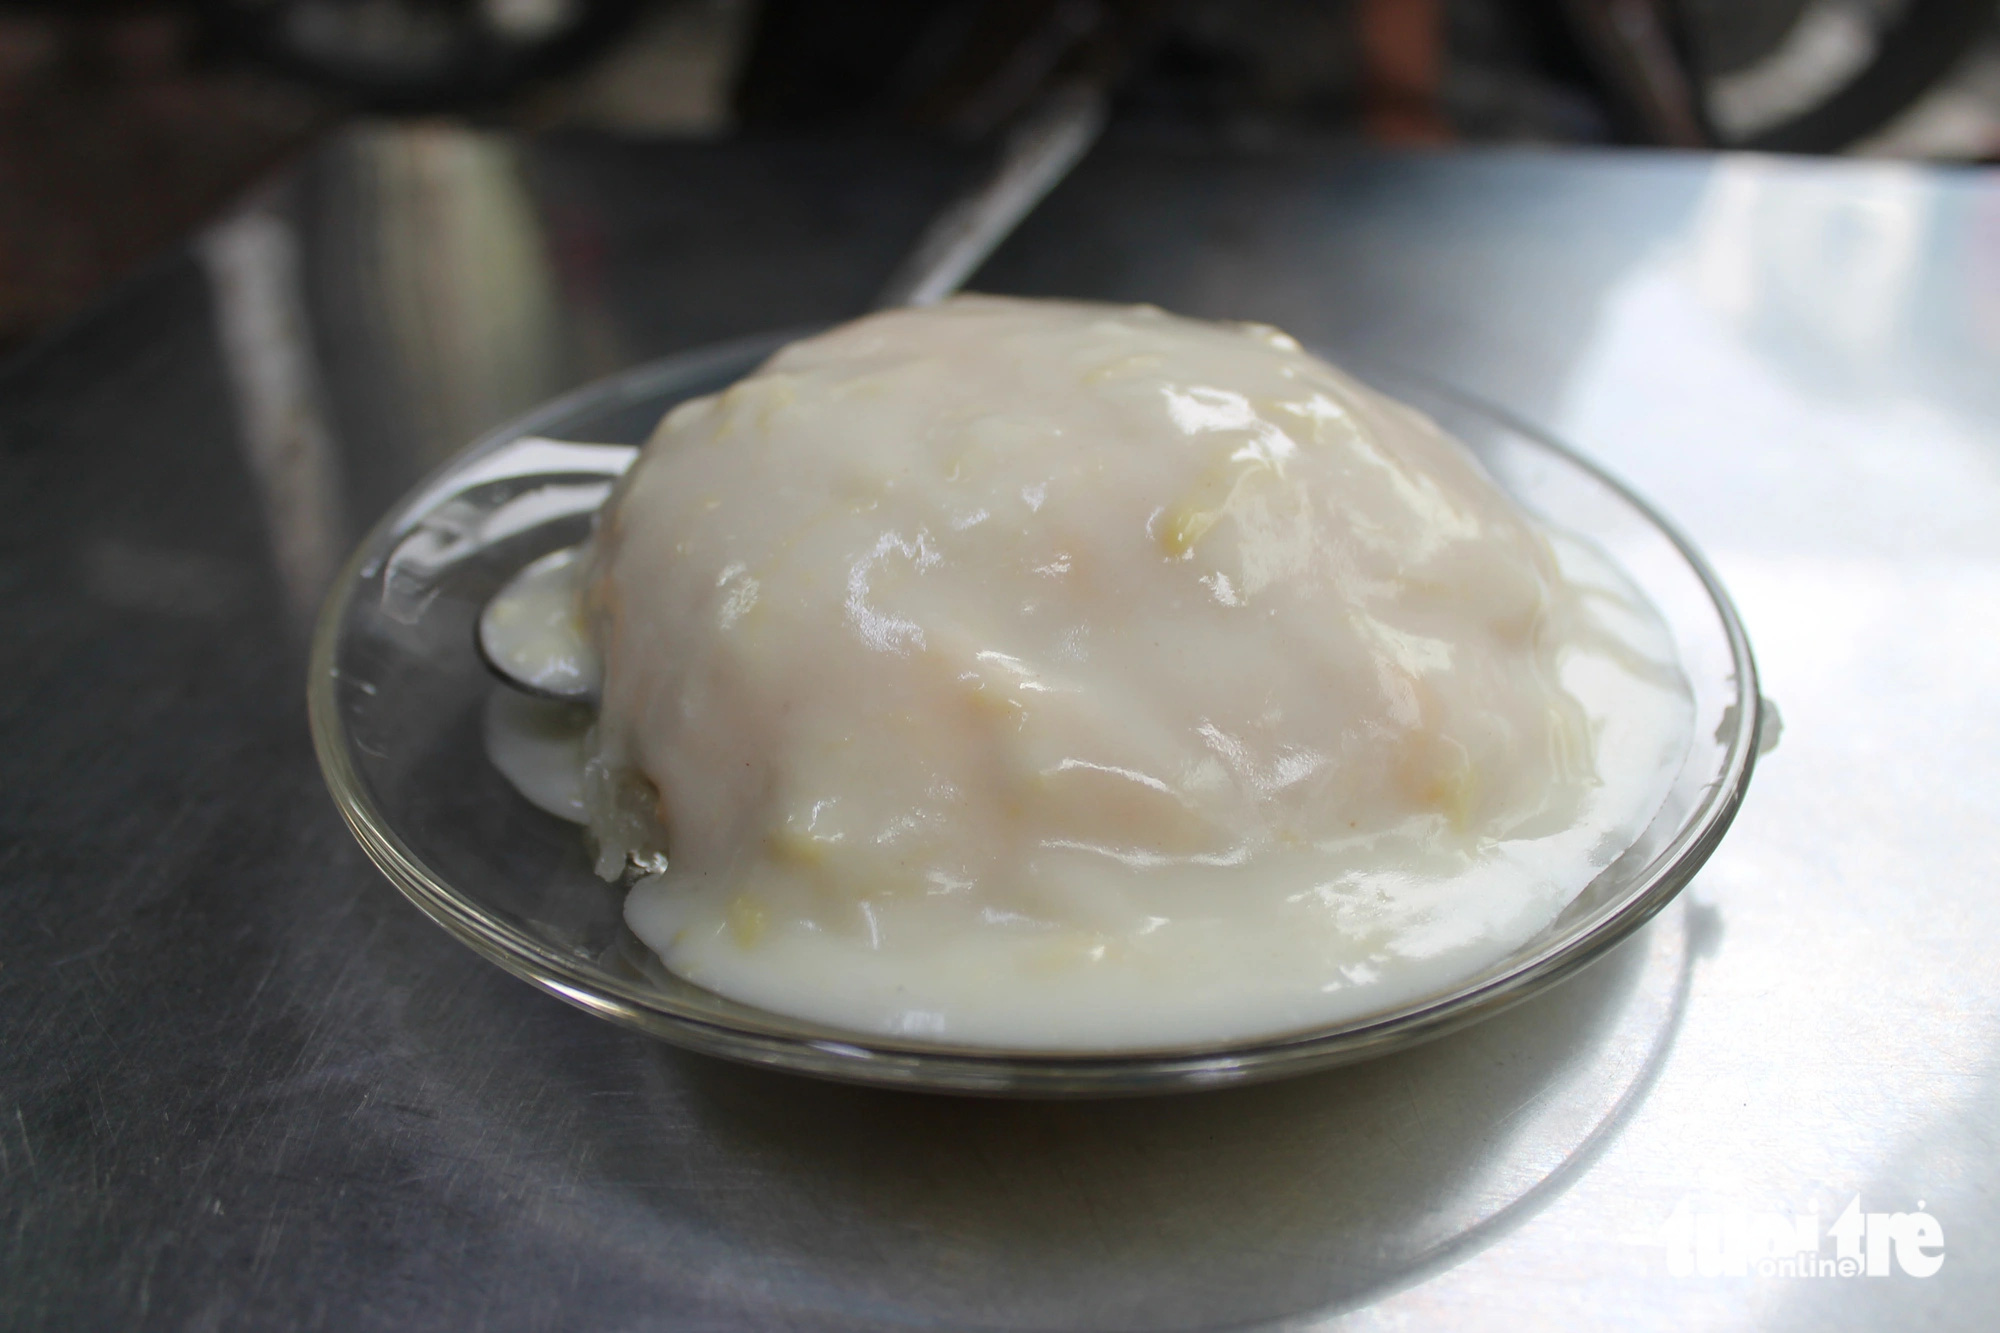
x,y
243,1084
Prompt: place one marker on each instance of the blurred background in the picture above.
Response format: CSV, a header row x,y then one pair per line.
x,y
125,124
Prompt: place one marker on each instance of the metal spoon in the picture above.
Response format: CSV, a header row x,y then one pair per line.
x,y
530,634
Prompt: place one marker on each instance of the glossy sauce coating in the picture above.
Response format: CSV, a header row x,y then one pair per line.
x,y
1044,675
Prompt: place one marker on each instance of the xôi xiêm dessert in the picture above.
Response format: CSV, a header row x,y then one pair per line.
x,y
1060,676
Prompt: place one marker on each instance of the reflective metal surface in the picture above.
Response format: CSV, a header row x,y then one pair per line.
x,y
242,1083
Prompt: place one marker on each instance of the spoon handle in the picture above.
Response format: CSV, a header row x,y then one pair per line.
x,y
1040,150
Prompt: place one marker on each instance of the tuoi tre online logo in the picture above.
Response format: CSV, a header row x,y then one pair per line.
x,y
1735,1242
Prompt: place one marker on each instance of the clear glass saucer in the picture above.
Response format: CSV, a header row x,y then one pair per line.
x,y
398,694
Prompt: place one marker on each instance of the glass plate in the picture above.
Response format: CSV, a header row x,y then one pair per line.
x,y
398,696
